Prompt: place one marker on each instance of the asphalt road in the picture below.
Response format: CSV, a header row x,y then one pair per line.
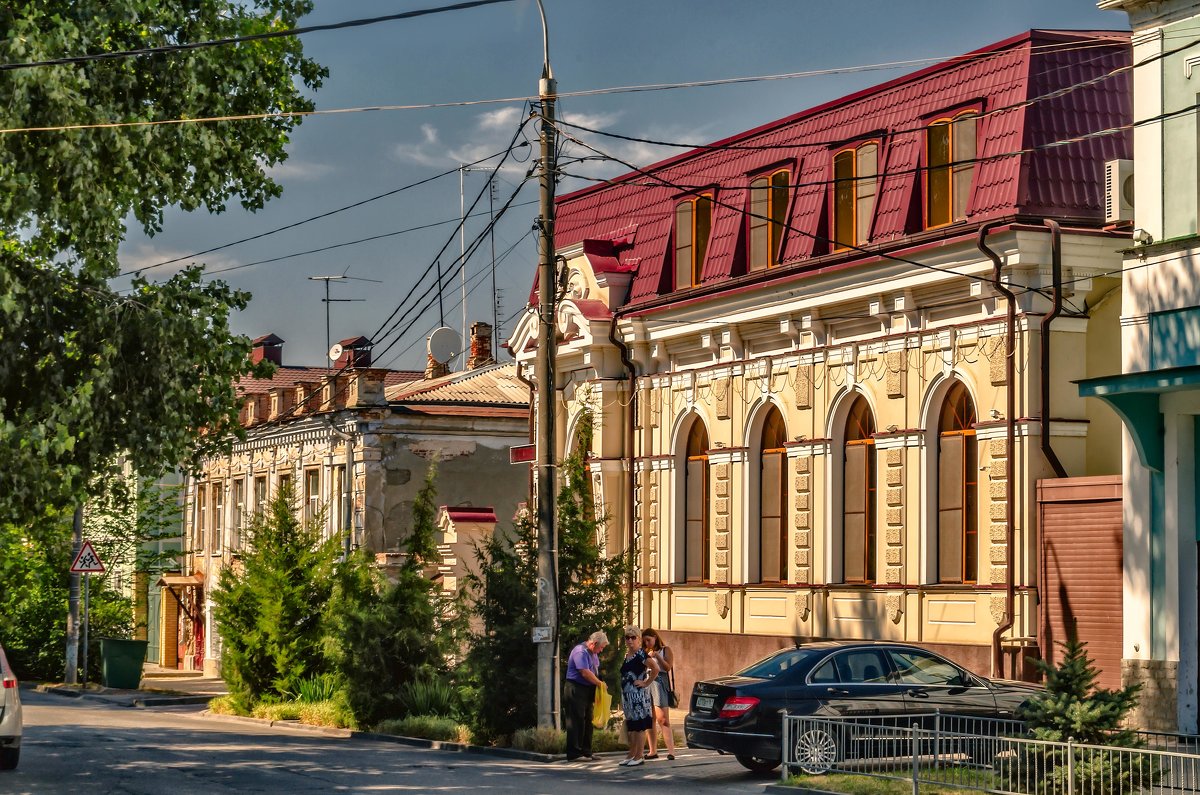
x,y
73,746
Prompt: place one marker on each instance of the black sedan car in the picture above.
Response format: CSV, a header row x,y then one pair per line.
x,y
742,714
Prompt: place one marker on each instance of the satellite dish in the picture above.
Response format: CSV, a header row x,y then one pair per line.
x,y
335,352
444,344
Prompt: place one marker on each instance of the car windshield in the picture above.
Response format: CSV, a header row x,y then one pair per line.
x,y
778,663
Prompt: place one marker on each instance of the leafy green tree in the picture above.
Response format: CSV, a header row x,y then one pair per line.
x,y
128,516
268,606
384,634
78,359
34,587
502,660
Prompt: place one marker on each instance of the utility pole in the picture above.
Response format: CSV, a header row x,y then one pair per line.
x,y
547,563
72,672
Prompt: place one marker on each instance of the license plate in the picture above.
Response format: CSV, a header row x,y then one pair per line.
x,y
705,702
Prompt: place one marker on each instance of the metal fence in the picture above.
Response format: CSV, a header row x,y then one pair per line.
x,y
987,755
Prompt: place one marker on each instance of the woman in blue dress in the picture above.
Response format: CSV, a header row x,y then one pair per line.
x,y
637,676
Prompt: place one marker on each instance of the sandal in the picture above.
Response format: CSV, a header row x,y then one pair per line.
x,y
652,756
670,757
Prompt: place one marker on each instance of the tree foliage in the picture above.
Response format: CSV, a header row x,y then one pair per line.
x,y
268,607
86,372
70,191
384,634
503,596
34,588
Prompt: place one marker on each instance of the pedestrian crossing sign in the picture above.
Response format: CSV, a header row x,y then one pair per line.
x,y
87,561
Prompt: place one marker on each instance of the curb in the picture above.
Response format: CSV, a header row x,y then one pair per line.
x,y
328,731
445,745
163,701
785,789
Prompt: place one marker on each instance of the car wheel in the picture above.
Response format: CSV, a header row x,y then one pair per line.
x,y
9,757
757,765
816,751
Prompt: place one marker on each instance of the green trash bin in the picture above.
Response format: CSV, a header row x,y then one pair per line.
x,y
121,662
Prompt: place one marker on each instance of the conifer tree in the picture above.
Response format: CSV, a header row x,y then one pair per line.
x,y
383,634
268,606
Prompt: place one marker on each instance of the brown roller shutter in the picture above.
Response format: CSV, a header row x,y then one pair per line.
x,y
1080,551
857,514
696,541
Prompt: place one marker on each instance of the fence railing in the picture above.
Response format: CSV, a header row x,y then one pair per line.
x,y
985,755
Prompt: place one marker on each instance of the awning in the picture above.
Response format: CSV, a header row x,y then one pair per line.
x,y
1134,396
179,581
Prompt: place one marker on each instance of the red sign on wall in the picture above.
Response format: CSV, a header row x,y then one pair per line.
x,y
522,454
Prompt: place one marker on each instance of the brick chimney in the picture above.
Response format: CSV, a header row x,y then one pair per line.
x,y
481,346
356,352
434,368
268,347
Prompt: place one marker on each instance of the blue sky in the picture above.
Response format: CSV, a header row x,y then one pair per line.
x,y
494,52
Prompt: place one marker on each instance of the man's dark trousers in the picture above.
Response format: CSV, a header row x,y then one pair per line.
x,y
577,717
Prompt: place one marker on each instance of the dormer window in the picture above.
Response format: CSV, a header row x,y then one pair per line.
x,y
950,162
855,180
768,216
693,223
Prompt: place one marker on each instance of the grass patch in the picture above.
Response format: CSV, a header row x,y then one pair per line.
x,y
851,784
429,727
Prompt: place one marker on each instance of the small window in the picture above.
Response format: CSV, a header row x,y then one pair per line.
x,y
768,217
238,517
855,176
218,517
260,495
312,494
693,224
950,167
201,523
825,675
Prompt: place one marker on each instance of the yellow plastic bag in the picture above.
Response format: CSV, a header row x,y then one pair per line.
x,y
601,706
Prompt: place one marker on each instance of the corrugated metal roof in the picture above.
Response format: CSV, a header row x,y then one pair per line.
x,y
495,384
1063,181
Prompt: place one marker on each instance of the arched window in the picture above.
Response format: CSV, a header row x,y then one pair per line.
x,y
695,535
859,495
958,489
772,517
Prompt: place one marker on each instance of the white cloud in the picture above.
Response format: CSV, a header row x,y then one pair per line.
x,y
143,255
500,119
299,170
423,153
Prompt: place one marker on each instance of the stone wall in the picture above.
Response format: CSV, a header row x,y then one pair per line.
x,y
1157,702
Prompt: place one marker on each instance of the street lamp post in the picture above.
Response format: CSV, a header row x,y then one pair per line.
x,y
547,562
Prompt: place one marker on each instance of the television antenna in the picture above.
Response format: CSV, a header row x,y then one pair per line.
x,y
327,300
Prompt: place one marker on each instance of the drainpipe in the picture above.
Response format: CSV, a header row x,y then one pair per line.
x,y
1055,311
630,368
1010,446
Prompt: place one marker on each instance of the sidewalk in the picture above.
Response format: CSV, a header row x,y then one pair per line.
x,y
159,687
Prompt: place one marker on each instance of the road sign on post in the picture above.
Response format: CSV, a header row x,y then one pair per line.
x,y
87,561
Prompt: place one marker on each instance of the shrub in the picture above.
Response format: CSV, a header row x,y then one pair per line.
x,y
316,688
427,696
542,740
268,610
332,712
224,705
429,727
383,634
287,710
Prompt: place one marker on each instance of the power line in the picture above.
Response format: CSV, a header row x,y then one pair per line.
x,y
274,34
301,222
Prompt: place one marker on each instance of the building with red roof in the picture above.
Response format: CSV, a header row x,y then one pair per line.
x,y
353,442
809,421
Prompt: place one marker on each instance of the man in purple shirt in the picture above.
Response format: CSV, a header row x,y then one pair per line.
x,y
579,693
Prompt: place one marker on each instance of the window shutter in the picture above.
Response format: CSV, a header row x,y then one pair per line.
x,y
856,514
696,552
771,537
950,509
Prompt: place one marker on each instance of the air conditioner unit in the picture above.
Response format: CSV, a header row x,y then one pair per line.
x,y
1118,191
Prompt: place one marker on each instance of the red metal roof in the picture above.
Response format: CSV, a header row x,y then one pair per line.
x,y
1010,180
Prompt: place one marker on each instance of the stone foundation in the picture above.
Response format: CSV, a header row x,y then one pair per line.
x,y
1158,704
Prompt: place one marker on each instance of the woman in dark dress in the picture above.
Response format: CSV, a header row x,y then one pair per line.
x,y
637,676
